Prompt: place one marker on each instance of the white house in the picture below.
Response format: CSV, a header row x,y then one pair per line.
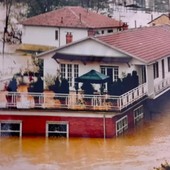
x,y
145,50
64,25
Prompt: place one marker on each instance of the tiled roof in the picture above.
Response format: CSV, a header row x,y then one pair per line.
x,y
74,17
148,43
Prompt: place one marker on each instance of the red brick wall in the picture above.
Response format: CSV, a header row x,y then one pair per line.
x,y
78,127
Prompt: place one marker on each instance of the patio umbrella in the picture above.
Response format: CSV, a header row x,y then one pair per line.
x,y
93,77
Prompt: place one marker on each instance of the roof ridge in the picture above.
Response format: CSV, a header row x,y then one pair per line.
x,y
77,16
69,8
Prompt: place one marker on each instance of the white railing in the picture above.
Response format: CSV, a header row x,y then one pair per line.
x,y
50,100
132,96
161,86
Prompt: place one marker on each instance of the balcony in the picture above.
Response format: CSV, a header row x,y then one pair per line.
x,y
72,101
161,87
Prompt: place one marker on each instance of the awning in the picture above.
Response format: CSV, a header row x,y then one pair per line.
x,y
89,58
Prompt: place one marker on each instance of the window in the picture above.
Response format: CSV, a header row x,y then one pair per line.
x,y
118,29
163,69
116,73
109,31
143,74
112,71
102,32
11,128
63,70
57,129
156,70
138,114
70,72
168,64
121,125
103,70
76,71
56,35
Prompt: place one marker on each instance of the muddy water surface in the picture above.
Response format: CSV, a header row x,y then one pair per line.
x,y
142,148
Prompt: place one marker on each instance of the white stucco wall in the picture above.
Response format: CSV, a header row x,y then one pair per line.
x,y
78,34
50,70
90,48
46,35
167,74
93,48
39,35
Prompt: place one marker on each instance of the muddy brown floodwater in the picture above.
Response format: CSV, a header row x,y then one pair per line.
x,y
142,148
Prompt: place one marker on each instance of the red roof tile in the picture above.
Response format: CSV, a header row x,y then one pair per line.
x,y
148,43
74,17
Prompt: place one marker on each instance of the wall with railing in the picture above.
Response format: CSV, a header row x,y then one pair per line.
x,y
50,100
161,86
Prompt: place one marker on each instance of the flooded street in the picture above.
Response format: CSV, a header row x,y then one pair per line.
x,y
142,148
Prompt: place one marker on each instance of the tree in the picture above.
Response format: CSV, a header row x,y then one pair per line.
x,y
8,4
36,7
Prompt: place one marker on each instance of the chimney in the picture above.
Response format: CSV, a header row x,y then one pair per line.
x,y
91,33
69,37
125,26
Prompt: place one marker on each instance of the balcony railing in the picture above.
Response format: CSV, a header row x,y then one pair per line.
x,y
50,100
161,86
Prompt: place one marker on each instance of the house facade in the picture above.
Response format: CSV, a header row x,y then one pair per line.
x,y
65,25
115,55
144,50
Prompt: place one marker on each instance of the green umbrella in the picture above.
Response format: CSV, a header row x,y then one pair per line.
x,y
93,77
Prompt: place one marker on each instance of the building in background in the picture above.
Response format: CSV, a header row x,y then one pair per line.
x,y
64,25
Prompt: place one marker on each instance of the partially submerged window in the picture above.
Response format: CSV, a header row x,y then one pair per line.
x,y
57,129
11,128
121,125
138,114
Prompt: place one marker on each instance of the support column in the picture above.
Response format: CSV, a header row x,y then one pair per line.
x,y
150,80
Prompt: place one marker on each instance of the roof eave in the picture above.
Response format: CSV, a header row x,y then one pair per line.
x,y
122,51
